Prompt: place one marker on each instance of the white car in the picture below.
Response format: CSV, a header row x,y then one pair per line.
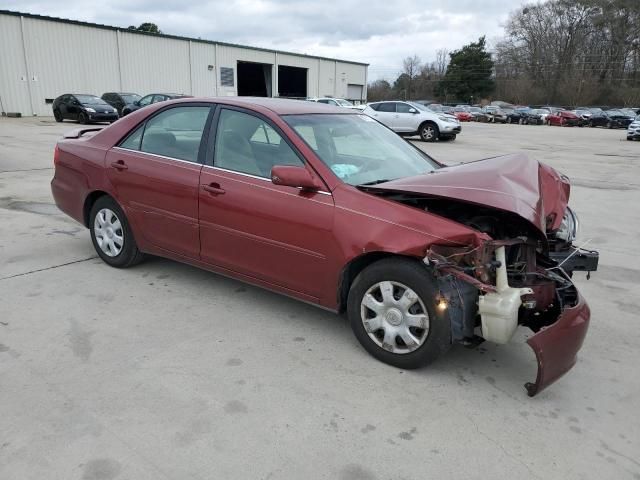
x,y
338,102
411,118
633,131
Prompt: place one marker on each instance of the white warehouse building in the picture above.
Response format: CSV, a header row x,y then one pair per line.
x,y
44,57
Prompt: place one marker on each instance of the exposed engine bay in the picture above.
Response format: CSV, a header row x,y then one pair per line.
x,y
519,277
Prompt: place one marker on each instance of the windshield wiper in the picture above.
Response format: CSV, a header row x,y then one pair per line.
x,y
374,182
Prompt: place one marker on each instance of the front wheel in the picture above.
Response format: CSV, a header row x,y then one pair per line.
x,y
429,132
57,115
83,119
111,234
393,314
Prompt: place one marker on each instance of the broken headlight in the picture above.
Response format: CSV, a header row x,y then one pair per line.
x,y
569,227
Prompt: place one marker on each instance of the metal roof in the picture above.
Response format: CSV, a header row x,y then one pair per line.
x,y
164,35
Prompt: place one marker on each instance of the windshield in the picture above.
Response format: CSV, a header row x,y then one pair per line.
x,y
344,103
131,98
419,106
90,99
358,149
475,109
540,111
615,112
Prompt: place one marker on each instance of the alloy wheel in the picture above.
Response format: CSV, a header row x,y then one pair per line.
x,y
394,317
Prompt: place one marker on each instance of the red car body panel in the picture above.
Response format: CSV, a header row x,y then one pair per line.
x,y
293,241
563,118
556,346
463,116
514,183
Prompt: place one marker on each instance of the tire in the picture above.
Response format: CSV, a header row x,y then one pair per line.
x,y
58,116
117,231
508,119
83,119
429,132
401,274
609,125
591,125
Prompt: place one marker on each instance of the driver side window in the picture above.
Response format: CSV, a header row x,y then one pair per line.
x,y
145,100
403,108
248,144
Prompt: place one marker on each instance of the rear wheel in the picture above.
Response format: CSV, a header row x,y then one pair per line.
x,y
392,312
508,119
58,116
609,125
429,132
111,234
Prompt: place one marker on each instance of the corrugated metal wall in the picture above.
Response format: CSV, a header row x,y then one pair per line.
x,y
59,57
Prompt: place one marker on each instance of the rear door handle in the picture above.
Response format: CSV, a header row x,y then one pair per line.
x,y
213,189
119,165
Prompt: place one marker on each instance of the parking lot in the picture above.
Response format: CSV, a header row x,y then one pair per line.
x,y
167,371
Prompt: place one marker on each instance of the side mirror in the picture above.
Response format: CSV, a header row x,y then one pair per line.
x,y
298,177
413,110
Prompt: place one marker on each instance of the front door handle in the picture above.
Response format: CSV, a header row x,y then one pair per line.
x,y
119,165
213,189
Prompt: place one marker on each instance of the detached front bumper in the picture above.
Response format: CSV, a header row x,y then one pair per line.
x,y
556,346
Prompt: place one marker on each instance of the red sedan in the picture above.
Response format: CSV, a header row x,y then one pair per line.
x,y
564,118
329,206
463,115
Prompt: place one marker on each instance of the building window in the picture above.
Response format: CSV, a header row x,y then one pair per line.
x,y
226,77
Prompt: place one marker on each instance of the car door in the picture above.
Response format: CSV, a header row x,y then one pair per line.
x,y
155,174
63,106
385,113
405,118
146,100
248,225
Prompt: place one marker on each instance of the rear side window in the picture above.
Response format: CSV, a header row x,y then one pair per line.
x,y
387,107
132,142
175,133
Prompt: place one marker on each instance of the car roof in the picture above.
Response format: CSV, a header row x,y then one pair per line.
x,y
279,106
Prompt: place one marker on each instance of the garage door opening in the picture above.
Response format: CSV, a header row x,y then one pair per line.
x,y
292,82
254,79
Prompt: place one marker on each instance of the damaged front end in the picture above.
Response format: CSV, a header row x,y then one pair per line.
x,y
506,283
519,273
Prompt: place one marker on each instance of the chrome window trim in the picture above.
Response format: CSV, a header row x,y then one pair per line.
x,y
321,192
157,155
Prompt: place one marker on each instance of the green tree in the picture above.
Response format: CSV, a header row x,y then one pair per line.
x,y
146,27
469,73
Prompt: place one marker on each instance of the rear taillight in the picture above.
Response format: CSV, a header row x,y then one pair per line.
x,y
56,156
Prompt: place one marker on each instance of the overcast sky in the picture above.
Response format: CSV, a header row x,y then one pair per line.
x,y
378,32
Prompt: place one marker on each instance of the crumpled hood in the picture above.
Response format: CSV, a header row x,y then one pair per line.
x,y
515,183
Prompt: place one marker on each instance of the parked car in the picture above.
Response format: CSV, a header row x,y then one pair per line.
x,y
543,114
585,115
462,114
633,131
629,112
564,118
329,206
513,115
495,114
410,118
530,116
83,108
610,119
150,99
120,101
338,102
478,114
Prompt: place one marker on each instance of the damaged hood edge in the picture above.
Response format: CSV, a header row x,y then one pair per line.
x,y
514,183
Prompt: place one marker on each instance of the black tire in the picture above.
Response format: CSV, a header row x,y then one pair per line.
x,y
417,277
429,132
609,125
83,119
57,115
129,255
